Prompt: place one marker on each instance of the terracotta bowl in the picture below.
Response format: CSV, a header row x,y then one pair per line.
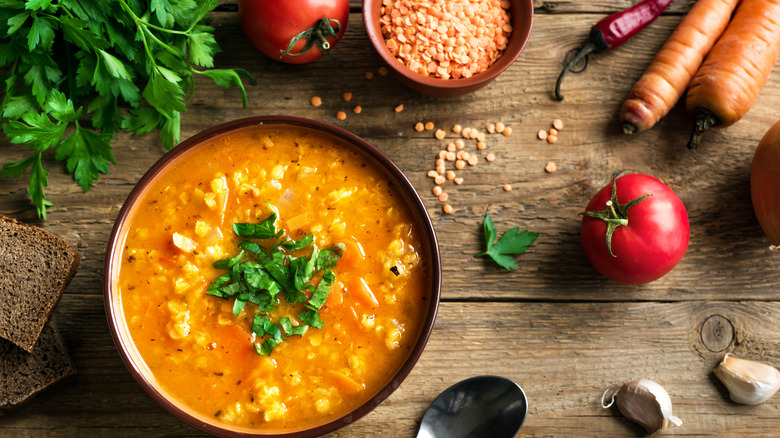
x,y
115,313
522,12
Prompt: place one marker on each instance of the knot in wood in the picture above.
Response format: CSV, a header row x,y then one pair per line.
x,y
717,333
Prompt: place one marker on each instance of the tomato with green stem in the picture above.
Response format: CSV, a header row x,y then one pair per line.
x,y
635,229
294,31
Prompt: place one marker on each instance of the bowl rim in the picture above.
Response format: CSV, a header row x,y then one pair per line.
x,y
412,199
517,42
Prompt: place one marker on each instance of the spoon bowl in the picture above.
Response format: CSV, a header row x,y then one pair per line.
x,y
483,406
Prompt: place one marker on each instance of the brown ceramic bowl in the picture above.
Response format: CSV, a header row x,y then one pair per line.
x,y
113,304
522,12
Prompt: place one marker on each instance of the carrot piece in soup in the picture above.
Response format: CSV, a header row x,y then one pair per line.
x,y
362,292
353,256
346,383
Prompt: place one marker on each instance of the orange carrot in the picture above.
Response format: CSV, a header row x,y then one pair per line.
x,y
670,72
736,69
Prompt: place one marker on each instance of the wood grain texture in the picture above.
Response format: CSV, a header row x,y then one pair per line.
x,y
555,325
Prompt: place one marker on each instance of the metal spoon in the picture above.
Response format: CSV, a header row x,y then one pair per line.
x,y
484,406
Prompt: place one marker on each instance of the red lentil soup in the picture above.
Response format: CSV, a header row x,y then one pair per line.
x,y
193,344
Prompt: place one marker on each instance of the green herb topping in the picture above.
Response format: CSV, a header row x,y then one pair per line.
x,y
512,242
258,275
114,65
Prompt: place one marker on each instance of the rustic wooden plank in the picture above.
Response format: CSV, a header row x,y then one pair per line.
x,y
564,355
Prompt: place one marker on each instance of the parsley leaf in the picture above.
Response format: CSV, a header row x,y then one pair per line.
x,y
512,242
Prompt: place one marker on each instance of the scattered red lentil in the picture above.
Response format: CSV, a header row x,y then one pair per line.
x,y
446,39
439,180
553,131
341,115
473,160
316,101
451,147
500,127
551,167
460,164
399,108
507,131
458,180
490,156
443,197
437,190
347,96
552,139
451,156
440,169
383,70
542,134
507,187
442,154
429,126
481,145
491,128
557,124
440,134
459,144
450,175
456,129
357,110
419,127
447,208
439,162
465,132
432,173
369,75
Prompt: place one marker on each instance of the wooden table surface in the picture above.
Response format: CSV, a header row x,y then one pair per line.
x,y
555,325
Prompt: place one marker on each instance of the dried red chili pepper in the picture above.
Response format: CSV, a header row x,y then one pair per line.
x,y
614,30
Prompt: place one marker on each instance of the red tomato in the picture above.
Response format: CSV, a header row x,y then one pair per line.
x,y
765,184
272,25
650,233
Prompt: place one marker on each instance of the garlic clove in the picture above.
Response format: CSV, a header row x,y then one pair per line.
x,y
749,382
647,403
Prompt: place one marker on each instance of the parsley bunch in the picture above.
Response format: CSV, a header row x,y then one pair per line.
x,y
68,66
274,272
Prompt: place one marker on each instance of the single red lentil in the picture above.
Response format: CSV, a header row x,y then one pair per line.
x,y
473,160
316,101
383,71
429,126
399,108
419,127
490,156
437,190
507,131
482,145
551,167
440,134
552,139
457,128
433,173
439,179
458,180
450,175
443,197
347,96
542,134
507,187
451,156
369,75
553,131
460,164
341,115
557,124
447,208
357,110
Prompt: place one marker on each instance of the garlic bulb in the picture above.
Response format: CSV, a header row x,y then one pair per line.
x,y
647,403
748,382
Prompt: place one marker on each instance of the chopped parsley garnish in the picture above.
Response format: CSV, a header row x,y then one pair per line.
x,y
512,242
258,275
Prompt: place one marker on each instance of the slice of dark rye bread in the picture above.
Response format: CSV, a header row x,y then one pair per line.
x,y
23,374
35,268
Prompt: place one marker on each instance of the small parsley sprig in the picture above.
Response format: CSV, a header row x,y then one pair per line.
x,y
271,272
76,72
512,242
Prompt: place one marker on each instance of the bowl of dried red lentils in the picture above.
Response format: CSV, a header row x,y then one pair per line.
x,y
448,48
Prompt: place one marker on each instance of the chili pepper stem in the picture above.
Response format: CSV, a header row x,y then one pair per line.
x,y
581,54
703,122
629,128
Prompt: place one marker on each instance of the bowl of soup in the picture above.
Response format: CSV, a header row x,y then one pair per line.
x,y
272,276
